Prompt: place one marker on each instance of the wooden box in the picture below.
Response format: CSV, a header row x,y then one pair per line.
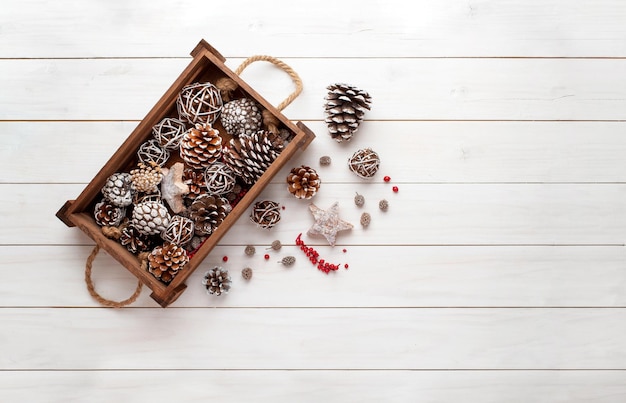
x,y
207,65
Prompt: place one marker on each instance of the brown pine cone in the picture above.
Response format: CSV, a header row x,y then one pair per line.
x,y
108,214
250,156
217,281
165,261
208,212
345,107
134,241
303,182
195,180
201,146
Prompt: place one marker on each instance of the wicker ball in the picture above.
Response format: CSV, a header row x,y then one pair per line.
x,y
241,117
199,103
179,231
151,150
364,163
265,214
168,133
220,178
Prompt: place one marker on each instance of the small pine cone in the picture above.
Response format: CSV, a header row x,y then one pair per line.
x,y
241,117
246,273
345,107
359,200
179,231
265,214
195,180
303,182
199,103
165,261
168,133
150,217
365,219
219,178
250,156
134,241
250,250
364,163
288,260
108,215
146,177
118,189
217,281
201,146
383,205
208,212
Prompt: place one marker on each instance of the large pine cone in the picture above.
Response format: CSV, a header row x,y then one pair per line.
x,y
303,182
118,189
250,156
108,215
201,146
165,261
134,241
150,217
217,281
241,117
208,212
345,107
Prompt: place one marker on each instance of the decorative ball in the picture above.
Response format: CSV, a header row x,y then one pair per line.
x,y
250,250
179,231
151,151
199,103
325,160
359,200
246,273
265,214
383,205
220,178
364,163
168,133
118,189
241,117
365,219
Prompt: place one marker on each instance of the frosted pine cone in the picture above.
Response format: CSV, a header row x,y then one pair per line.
x,y
134,241
241,117
108,215
345,107
165,261
150,217
217,281
250,156
303,182
208,212
146,177
201,146
118,189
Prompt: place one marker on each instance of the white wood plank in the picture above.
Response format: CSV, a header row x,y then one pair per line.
x,y
418,215
315,386
73,152
402,88
410,277
256,338
38,28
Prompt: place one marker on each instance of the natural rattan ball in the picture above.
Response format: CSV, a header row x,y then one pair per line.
x,y
265,214
151,150
364,163
199,103
220,178
168,133
179,231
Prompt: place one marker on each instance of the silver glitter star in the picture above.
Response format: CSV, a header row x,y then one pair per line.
x,y
327,222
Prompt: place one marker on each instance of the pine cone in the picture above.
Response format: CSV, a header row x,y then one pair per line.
x,y
241,117
150,217
217,281
165,261
201,146
179,231
195,180
345,107
134,241
146,177
303,182
208,212
250,156
118,189
108,215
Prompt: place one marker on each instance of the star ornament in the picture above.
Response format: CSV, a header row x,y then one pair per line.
x,y
327,223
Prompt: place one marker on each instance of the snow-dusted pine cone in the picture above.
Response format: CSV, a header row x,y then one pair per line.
x,y
134,241
118,189
217,281
241,117
208,212
250,156
165,261
345,107
304,182
150,217
107,214
201,146
146,177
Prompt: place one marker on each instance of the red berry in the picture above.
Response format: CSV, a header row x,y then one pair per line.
x,y
283,207
225,259
266,256
346,265
345,250
386,179
395,189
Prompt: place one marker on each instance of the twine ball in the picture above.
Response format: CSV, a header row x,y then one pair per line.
x,y
364,163
151,150
199,103
179,231
265,214
219,178
168,133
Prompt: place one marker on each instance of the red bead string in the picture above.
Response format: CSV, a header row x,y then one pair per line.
x,y
313,256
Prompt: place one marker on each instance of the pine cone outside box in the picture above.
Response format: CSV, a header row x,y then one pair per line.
x,y
107,214
208,212
217,281
165,261
345,107
134,241
201,146
250,156
150,217
304,182
241,117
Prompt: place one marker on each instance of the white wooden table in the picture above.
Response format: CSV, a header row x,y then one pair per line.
x,y
497,275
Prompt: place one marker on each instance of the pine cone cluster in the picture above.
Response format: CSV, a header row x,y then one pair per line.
x,y
201,146
150,217
304,182
146,177
241,117
217,281
345,108
108,215
118,189
208,212
165,261
250,156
